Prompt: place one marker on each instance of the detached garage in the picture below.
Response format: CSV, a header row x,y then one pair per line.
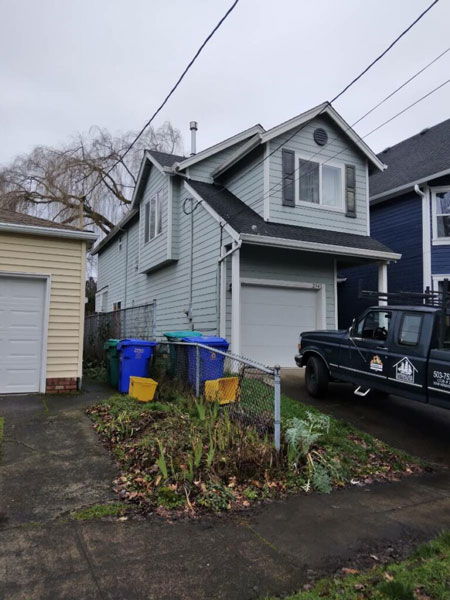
x,y
42,292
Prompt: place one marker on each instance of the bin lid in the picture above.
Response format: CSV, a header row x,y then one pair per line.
x,y
211,340
181,334
133,342
111,343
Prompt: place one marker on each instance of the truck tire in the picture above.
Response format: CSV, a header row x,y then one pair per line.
x,y
316,377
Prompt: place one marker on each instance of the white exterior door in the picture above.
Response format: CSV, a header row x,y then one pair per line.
x,y
22,321
273,317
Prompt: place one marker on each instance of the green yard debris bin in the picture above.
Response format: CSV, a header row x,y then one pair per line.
x,y
112,361
177,354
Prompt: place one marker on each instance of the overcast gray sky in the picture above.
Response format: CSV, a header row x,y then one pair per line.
x,y
70,64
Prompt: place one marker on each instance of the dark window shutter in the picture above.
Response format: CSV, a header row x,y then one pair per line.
x,y
350,191
147,223
288,166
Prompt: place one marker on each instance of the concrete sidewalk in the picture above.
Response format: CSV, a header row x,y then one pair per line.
x,y
271,550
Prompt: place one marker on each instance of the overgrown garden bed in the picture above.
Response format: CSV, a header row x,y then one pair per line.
x,y
184,455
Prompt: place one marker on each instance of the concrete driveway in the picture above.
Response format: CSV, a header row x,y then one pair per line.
x,y
53,463
417,428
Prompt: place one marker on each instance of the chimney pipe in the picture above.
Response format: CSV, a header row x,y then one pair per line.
x,y
193,128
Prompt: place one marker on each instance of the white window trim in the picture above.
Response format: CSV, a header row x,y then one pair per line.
x,y
320,161
437,241
158,209
45,325
438,278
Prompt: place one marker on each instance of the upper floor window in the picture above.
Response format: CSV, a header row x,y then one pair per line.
x,y
153,217
320,183
441,213
323,184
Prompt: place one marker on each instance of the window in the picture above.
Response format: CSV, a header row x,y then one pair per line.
x,y
117,305
442,214
374,326
153,217
410,329
320,183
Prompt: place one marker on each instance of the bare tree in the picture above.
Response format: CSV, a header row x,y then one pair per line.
x,y
54,182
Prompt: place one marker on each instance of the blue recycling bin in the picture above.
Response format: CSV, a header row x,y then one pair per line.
x,y
134,359
211,363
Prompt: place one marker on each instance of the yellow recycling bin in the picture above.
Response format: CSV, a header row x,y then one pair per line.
x,y
224,390
142,388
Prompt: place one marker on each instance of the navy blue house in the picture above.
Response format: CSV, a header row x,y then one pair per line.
x,y
410,213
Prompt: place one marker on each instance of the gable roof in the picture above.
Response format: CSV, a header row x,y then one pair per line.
x,y
13,221
133,212
235,139
245,221
423,156
165,159
325,109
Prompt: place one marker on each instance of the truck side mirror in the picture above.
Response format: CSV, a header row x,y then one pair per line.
x,y
351,329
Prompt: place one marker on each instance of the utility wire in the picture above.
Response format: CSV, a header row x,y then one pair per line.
x,y
407,108
397,39
166,99
277,185
345,89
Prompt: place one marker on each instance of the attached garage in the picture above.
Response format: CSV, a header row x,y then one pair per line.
x,y
42,291
273,314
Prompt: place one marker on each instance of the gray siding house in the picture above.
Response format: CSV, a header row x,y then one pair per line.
x,y
244,239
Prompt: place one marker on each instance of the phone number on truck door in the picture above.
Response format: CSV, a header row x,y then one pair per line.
x,y
441,379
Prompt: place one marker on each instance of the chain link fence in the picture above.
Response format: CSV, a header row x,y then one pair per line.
x,y
135,322
248,390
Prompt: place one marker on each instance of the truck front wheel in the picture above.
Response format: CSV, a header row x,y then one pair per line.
x,y
316,377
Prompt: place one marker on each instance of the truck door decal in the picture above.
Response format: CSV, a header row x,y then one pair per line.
x,y
376,364
405,371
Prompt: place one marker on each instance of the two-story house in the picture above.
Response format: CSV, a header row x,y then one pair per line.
x,y
410,212
245,238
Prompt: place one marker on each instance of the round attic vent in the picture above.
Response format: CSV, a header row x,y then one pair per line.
x,y
320,136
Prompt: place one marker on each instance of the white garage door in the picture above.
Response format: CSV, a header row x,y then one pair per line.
x,y
22,309
272,319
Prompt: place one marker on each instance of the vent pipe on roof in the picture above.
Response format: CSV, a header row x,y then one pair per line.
x,y
193,128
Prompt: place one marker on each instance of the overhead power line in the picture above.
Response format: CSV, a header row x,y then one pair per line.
x,y
345,89
166,99
400,87
374,62
407,108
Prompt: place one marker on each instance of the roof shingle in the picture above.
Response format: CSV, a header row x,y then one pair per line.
x,y
13,217
165,159
243,219
413,159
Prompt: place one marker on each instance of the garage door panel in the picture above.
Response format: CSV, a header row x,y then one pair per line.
x,y
22,309
272,319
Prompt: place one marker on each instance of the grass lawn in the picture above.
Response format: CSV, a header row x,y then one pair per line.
x,y
182,454
425,575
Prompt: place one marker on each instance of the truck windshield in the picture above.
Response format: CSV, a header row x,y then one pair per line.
x,y
374,326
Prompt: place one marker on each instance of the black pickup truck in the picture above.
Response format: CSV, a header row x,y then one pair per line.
x,y
401,350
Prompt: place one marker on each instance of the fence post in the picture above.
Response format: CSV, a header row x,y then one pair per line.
x,y
277,388
154,318
197,371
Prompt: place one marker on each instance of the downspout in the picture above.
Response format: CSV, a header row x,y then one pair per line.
x,y
191,270
126,269
426,243
223,256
